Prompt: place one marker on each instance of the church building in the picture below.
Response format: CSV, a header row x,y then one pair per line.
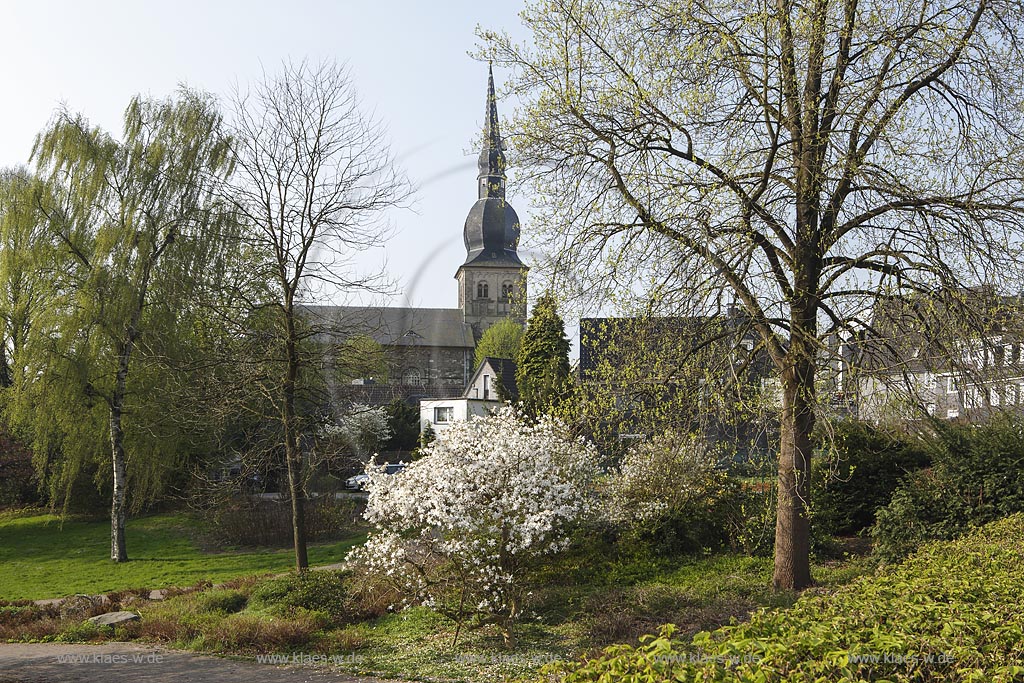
x,y
429,351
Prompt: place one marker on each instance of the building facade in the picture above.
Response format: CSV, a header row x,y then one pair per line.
x,y
953,355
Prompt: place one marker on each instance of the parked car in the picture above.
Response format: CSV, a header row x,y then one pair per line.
x,y
358,482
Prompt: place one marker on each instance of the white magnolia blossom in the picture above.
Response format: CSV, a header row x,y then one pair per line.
x,y
457,528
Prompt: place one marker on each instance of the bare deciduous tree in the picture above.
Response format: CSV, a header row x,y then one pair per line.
x,y
313,178
802,159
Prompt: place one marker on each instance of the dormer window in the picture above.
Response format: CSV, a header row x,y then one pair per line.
x,y
481,290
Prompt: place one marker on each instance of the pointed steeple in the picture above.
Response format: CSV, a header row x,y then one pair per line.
x,y
491,232
491,163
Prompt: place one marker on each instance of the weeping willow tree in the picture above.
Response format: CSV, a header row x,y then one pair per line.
x,y
137,230
27,258
803,160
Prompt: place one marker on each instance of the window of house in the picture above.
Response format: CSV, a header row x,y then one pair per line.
x,y
481,290
993,396
487,387
951,385
507,290
972,397
952,412
444,415
412,376
931,408
1012,395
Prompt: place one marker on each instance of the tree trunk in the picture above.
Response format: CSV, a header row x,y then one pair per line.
x,y
118,506
5,368
118,548
293,453
792,526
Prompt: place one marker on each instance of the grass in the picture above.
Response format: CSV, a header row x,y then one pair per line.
x,y
586,601
42,558
571,617
589,597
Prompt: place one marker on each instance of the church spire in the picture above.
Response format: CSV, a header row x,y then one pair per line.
x,y
492,156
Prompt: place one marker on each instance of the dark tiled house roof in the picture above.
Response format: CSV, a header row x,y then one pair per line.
x,y
505,371
394,326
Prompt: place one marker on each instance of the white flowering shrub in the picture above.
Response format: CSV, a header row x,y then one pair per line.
x,y
669,493
360,429
662,476
460,529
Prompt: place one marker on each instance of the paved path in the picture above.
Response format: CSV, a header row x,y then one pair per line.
x,y
106,662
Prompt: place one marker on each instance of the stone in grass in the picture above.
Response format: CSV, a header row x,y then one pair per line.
x,y
78,607
114,618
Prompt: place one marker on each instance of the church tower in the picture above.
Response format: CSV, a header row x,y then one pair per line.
x,y
492,281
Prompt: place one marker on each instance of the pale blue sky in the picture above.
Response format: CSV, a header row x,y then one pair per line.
x,y
408,60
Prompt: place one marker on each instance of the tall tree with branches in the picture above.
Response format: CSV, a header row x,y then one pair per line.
x,y
804,160
134,221
314,177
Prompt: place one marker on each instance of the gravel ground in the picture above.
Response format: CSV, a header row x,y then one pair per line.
x,y
106,662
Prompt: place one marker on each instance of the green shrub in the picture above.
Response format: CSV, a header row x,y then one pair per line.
x,y
858,470
223,601
977,476
81,633
325,592
751,513
951,612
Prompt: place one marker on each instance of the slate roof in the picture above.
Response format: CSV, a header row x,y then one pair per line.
x,y
926,332
504,370
382,394
396,326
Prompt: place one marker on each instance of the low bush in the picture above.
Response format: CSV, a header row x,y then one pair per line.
x,y
951,612
262,522
222,601
257,633
325,592
977,476
857,472
670,497
752,517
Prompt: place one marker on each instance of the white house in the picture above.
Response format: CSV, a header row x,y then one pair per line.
x,y
491,384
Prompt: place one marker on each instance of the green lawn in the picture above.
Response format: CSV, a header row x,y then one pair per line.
x,y
589,596
40,558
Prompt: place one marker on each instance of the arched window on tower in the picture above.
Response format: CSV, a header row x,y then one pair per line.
x,y
507,291
481,290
